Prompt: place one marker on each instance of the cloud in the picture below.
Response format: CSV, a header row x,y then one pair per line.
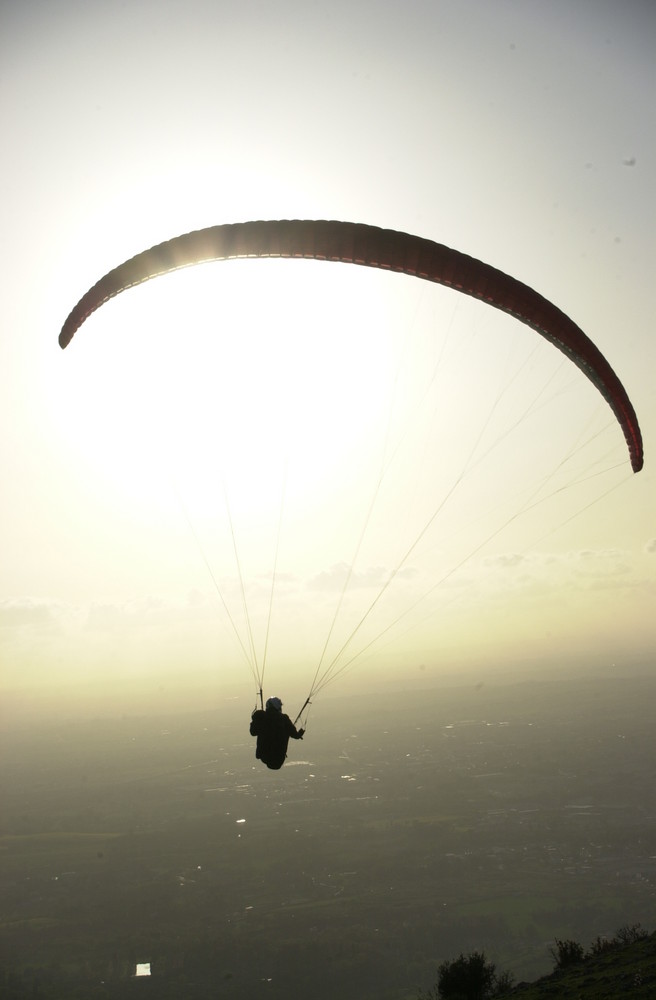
x,y
336,577
29,619
40,617
103,617
505,560
589,555
601,563
587,560
146,611
576,570
20,612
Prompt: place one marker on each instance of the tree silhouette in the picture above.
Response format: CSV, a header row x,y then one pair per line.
x,y
469,977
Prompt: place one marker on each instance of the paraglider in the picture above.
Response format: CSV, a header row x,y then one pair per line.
x,y
273,730
387,250
356,243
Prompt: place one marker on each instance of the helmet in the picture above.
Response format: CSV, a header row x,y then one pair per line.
x,y
274,703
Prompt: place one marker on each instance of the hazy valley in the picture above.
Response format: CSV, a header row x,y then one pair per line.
x,y
405,829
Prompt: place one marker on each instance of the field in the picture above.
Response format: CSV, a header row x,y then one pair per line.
x,y
403,831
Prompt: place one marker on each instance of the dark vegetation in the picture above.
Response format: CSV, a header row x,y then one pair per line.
x,y
612,969
498,819
469,977
623,966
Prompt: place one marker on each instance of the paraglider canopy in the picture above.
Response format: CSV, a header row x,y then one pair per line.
x,y
356,243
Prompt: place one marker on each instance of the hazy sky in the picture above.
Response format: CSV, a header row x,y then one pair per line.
x,y
307,417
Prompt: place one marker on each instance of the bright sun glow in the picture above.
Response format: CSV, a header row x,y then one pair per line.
x,y
232,373
312,417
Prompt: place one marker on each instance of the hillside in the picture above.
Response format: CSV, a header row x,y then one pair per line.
x,y
617,974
